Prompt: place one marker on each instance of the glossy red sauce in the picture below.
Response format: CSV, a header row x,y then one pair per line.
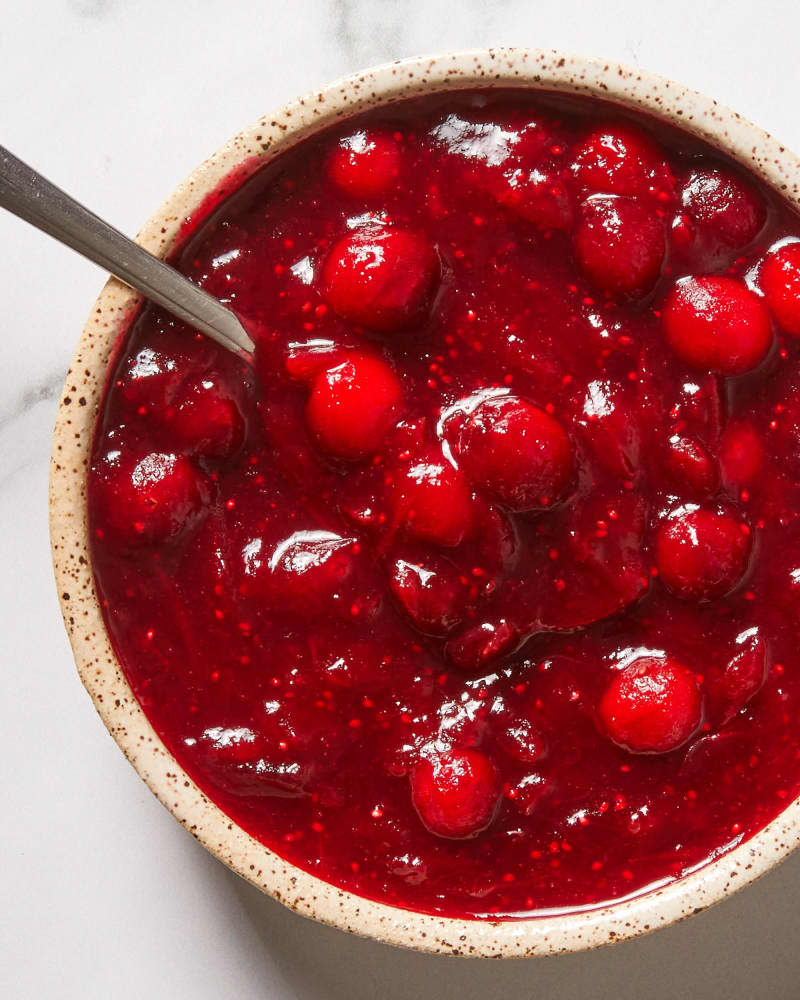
x,y
478,593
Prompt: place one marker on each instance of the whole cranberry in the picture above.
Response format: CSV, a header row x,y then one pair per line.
x,y
433,500
690,466
731,686
309,572
653,705
381,278
538,196
517,452
430,592
702,553
529,792
150,378
620,244
718,324
305,359
456,793
779,278
147,499
725,212
352,406
477,646
366,163
621,159
610,422
205,418
698,406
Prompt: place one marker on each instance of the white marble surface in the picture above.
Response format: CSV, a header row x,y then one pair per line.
x,y
103,894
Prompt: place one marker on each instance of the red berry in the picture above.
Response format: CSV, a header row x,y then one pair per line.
x,y
480,645
148,379
620,244
701,554
779,278
433,500
537,195
366,164
698,407
380,278
460,725
147,500
717,324
619,159
532,135
651,706
352,406
741,453
307,358
528,792
732,686
517,452
611,425
725,212
456,793
430,592
690,466
151,377
310,572
205,419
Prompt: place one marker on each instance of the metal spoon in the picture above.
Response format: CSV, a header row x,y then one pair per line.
x,y
27,194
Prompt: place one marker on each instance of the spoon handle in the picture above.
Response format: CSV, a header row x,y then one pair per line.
x,y
27,194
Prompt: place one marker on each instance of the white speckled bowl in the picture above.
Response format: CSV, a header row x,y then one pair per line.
x,y
83,393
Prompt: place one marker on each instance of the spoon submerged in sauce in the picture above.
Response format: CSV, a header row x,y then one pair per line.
x,y
31,197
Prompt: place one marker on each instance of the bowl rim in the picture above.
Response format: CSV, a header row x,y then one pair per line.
x,y
99,671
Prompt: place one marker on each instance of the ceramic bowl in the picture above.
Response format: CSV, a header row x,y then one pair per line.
x,y
97,665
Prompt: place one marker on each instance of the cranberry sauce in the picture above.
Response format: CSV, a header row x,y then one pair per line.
x,y
478,593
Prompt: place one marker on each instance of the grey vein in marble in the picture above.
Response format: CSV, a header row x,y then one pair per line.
x,y
45,389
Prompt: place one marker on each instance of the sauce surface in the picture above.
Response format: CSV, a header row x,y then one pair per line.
x,y
478,595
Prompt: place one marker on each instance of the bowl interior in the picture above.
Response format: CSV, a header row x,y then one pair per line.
x,y
100,672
